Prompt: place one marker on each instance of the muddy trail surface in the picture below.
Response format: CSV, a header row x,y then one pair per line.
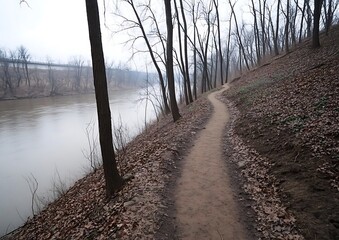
x,y
204,201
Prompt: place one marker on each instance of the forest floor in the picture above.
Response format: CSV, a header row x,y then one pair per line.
x,y
286,114
279,164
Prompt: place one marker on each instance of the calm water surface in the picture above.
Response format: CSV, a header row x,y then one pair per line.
x,y
47,135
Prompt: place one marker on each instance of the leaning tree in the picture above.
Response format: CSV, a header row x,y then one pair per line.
x,y
112,178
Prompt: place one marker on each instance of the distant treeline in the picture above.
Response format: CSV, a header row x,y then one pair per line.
x,y
20,77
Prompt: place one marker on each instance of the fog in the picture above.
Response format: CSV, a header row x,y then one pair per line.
x,y
53,28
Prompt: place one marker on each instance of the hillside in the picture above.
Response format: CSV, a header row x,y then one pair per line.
x,y
287,111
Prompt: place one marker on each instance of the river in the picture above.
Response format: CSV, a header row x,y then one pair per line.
x,y
46,137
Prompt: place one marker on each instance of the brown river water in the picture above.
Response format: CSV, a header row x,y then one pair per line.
x,y
46,137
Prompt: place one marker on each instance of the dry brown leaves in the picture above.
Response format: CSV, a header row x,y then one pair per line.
x,y
289,113
273,221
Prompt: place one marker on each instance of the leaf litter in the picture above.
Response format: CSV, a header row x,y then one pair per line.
x,y
287,122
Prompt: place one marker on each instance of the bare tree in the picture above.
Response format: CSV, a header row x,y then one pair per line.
x,y
204,44
262,23
316,19
329,9
77,64
139,24
14,58
181,62
51,76
24,57
221,59
194,20
287,17
112,178
228,55
170,74
309,19
303,11
5,75
187,76
241,46
256,32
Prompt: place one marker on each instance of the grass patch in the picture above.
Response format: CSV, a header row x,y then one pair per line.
x,y
295,122
247,93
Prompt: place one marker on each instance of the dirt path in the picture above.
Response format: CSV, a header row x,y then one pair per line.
x,y
204,199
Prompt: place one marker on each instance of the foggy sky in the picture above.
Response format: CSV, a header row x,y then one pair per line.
x,y
53,28
57,29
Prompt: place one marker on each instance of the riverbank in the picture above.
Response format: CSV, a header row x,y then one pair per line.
x,y
40,92
137,210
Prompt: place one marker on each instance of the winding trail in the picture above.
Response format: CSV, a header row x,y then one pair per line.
x,y
204,199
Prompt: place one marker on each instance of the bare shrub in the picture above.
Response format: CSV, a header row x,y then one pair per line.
x,y
33,188
91,153
120,140
59,186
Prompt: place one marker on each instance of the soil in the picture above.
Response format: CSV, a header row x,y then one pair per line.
x,y
204,200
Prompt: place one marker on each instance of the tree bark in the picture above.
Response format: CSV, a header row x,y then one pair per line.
x,y
309,19
302,21
287,26
276,49
228,48
183,68
169,67
316,19
256,33
194,54
112,178
221,59
188,81
262,23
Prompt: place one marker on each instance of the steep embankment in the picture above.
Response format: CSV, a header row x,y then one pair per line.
x,y
289,114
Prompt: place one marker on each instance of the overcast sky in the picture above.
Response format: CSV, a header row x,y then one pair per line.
x,y
57,29
53,28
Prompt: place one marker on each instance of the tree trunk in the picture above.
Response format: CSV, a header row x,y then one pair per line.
x,y
309,19
112,178
195,63
317,13
221,59
262,23
256,33
287,25
183,69
169,67
276,49
302,21
228,48
188,81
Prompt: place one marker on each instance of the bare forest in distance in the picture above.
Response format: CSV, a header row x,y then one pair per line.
x,y
22,77
209,48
